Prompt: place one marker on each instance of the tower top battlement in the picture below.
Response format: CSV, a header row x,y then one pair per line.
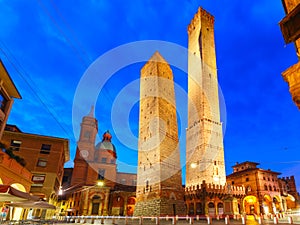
x,y
196,19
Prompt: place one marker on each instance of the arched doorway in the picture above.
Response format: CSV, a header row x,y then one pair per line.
x,y
251,205
199,208
276,204
17,212
211,209
290,202
96,200
118,206
191,208
130,206
220,208
267,204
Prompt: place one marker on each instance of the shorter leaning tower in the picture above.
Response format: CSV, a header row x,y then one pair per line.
x,y
159,183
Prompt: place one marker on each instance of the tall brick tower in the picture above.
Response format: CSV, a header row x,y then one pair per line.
x,y
204,138
159,183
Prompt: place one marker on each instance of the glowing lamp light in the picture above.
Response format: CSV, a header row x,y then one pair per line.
x,y
193,165
100,183
60,191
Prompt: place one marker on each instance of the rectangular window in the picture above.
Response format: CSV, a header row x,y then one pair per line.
x,y
42,162
45,149
38,180
103,160
15,145
247,178
101,173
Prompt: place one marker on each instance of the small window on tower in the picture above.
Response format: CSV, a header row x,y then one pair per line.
x,y
147,185
103,160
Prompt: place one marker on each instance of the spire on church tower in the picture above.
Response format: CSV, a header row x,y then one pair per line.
x,y
91,113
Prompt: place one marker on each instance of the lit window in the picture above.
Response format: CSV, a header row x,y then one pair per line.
x,y
38,180
42,162
45,149
15,145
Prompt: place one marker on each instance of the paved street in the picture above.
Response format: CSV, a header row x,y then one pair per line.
x,y
182,221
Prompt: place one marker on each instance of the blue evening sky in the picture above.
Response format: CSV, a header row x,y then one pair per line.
x,y
48,45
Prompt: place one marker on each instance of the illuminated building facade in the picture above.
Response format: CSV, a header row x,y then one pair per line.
x,y
291,32
94,186
266,193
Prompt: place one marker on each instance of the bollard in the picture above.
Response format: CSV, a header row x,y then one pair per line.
x,y
126,220
227,221
243,220
167,217
191,220
186,217
102,220
113,220
141,221
218,217
157,220
208,220
275,220
173,220
197,217
259,220
176,217
290,220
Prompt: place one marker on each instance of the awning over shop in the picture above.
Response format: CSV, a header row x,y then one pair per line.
x,y
32,204
10,194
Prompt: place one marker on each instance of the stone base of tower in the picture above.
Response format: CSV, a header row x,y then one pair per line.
x,y
160,207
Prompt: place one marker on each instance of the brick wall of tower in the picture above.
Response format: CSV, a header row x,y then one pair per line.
x,y
204,139
159,174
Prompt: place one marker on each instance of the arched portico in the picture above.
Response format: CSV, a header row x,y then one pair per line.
x,y
251,205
